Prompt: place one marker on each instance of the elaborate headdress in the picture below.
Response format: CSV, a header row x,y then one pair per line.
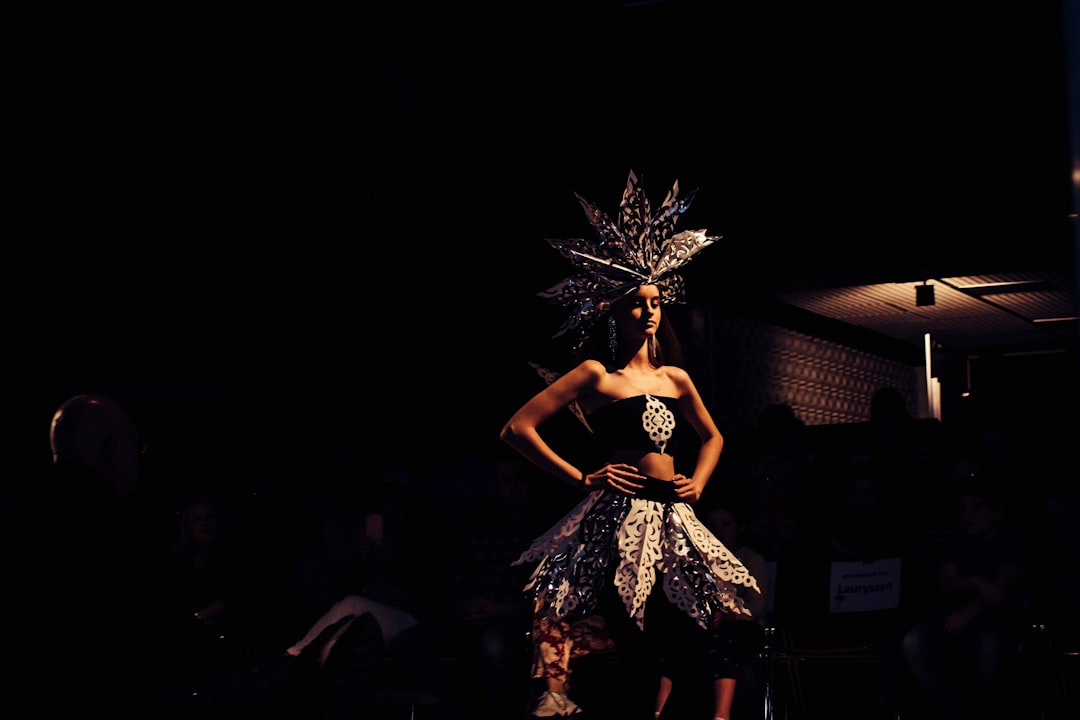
x,y
640,249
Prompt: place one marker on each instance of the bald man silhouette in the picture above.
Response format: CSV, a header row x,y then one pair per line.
x,y
95,432
81,602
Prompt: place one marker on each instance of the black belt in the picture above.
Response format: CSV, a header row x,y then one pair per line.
x,y
657,490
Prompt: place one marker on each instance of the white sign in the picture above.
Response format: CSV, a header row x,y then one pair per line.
x,y
864,586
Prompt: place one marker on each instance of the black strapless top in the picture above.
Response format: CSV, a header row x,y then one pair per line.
x,y
642,423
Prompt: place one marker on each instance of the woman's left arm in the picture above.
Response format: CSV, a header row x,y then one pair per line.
x,y
712,442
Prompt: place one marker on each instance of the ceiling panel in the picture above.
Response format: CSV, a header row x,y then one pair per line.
x,y
1004,312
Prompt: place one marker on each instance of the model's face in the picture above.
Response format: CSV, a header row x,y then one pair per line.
x,y
639,312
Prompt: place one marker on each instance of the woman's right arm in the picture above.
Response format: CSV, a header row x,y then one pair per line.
x,y
522,432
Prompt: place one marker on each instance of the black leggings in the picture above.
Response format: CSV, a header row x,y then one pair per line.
x,y
671,642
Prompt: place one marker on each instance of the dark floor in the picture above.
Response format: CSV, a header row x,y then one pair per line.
x,y
847,688
836,686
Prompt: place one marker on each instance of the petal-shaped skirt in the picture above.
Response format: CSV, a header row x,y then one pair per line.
x,y
634,542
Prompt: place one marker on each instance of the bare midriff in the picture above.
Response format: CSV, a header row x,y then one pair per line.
x,y
656,465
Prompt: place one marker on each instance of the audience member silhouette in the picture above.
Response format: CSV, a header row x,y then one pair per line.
x,y
890,423
330,541
772,484
354,585
340,653
83,600
204,580
962,644
481,615
780,432
859,524
906,455
776,468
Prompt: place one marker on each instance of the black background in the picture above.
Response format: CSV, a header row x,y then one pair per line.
x,y
320,215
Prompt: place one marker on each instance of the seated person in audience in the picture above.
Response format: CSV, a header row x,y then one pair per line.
x,y
959,646
389,619
860,526
333,660
480,616
202,579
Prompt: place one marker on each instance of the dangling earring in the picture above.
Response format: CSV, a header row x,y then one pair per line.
x,y
654,350
612,337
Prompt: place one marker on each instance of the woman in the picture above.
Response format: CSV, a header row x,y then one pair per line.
x,y
201,580
632,551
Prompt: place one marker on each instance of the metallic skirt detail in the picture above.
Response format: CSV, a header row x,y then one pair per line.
x,y
644,542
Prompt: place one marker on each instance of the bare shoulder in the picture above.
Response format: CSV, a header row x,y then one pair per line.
x,y
583,377
581,383
683,382
679,376
588,373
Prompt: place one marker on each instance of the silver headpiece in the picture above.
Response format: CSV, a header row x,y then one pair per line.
x,y
641,249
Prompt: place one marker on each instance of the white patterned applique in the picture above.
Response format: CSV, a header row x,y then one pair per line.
x,y
641,552
658,421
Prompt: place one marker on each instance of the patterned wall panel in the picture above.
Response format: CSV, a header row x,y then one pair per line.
x,y
757,364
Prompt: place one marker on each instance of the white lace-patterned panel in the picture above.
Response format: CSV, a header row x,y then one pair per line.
x,y
652,541
723,562
682,580
640,555
562,536
658,421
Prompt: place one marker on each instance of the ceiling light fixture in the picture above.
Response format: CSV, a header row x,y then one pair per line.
x,y
924,294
